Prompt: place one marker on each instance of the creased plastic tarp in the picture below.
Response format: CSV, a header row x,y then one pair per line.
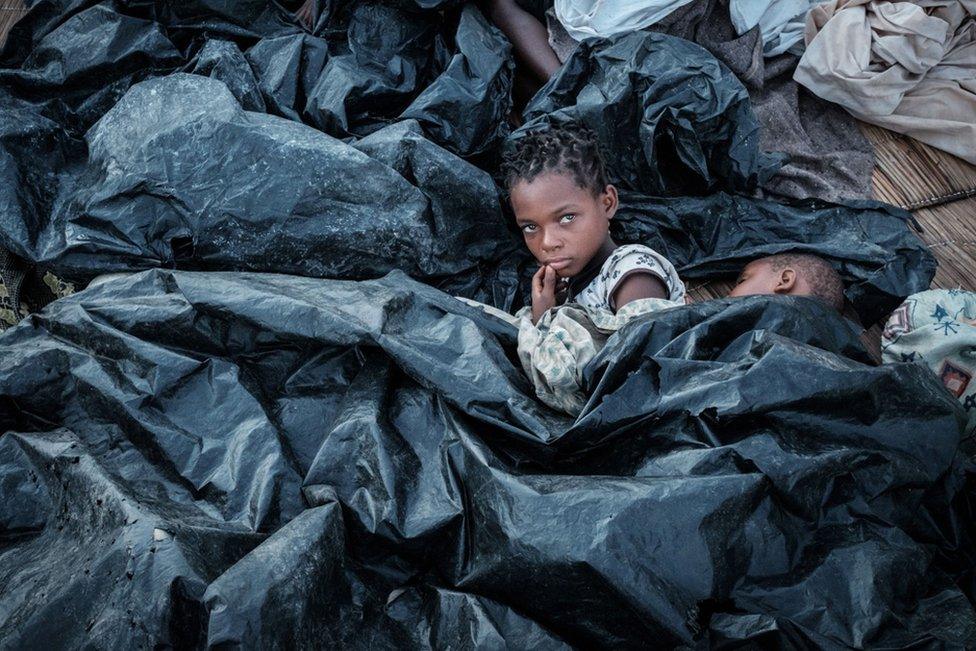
x,y
132,163
82,67
195,459
370,63
178,174
664,128
213,458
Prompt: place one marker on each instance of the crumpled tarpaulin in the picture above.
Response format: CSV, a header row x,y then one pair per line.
x,y
829,157
664,128
214,458
186,177
195,458
906,66
716,236
176,171
178,174
351,77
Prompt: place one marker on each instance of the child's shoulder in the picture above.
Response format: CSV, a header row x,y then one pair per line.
x,y
637,258
632,255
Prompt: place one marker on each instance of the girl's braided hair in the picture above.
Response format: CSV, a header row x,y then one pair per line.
x,y
570,148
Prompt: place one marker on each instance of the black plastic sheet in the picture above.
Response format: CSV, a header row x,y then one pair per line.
x,y
664,128
213,458
179,174
389,57
287,68
223,60
193,181
78,70
707,237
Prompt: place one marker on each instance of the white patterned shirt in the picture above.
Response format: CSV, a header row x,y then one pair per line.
x,y
624,261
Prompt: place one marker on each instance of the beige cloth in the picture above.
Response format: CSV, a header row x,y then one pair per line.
x,y
906,66
555,351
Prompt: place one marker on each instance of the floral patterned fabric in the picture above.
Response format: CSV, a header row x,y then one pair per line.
x,y
626,260
555,351
29,294
938,328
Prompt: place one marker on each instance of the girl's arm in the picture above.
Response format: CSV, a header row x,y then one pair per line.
x,y
528,36
306,14
636,286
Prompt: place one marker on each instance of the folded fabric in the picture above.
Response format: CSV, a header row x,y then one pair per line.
x,y
906,66
781,22
555,350
586,18
937,328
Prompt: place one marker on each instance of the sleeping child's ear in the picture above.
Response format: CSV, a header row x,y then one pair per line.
x,y
786,281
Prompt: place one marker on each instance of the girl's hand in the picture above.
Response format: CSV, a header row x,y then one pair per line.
x,y
543,291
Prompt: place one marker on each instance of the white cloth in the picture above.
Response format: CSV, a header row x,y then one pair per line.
x,y
906,66
781,22
602,18
626,260
555,351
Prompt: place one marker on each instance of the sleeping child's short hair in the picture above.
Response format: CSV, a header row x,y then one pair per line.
x,y
825,283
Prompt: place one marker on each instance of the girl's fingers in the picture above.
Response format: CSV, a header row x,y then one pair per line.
x,y
538,279
549,283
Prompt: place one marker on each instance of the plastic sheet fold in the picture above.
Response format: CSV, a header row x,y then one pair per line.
x,y
209,458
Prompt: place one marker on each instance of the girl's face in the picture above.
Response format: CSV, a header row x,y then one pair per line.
x,y
564,225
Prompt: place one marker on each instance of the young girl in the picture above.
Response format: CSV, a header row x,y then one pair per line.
x,y
563,204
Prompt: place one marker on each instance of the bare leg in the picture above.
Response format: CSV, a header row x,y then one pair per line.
x,y
528,36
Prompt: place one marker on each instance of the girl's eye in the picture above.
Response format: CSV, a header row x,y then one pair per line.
x,y
529,228
565,219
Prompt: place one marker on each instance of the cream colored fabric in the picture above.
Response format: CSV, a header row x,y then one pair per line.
x,y
555,351
906,66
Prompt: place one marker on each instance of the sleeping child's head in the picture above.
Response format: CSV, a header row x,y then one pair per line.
x,y
797,274
562,201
